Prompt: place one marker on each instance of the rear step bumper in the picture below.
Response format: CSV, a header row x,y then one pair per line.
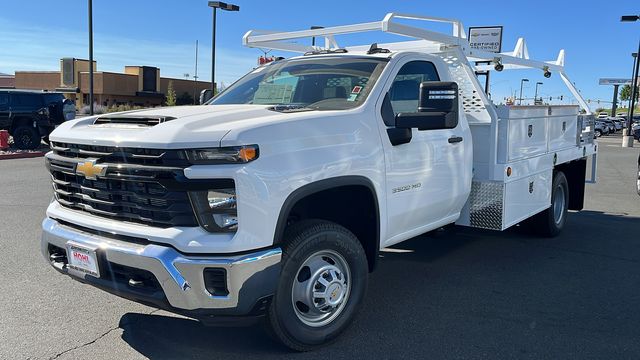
x,y
163,277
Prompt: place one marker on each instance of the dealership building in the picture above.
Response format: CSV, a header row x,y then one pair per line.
x,y
137,85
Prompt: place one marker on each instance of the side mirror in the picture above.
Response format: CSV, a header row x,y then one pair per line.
x,y
205,95
437,108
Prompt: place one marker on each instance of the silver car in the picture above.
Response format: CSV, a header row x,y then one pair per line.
x,y
600,129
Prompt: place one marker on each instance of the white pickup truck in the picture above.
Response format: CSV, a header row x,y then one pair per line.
x,y
273,200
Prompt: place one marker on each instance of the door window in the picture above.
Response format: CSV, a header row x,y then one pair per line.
x,y
405,90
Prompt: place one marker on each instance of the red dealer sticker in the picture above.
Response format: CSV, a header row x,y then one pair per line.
x,y
356,89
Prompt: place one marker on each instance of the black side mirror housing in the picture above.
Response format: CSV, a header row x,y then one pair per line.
x,y
396,135
437,108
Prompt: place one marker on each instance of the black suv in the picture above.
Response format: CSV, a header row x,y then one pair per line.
x,y
32,115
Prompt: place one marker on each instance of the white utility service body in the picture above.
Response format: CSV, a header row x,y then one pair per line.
x,y
493,167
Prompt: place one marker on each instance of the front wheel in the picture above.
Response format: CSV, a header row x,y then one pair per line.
x,y
598,133
322,284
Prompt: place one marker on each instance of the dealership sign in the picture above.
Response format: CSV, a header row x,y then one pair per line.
x,y
612,81
487,38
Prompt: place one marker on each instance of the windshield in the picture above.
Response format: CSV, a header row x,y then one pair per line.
x,y
320,83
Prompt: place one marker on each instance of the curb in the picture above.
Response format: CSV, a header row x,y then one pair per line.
x,y
23,155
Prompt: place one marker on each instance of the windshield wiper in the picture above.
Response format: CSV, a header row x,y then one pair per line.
x,y
326,51
289,108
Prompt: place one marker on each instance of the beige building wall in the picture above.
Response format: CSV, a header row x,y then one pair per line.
x,y
109,88
37,80
181,86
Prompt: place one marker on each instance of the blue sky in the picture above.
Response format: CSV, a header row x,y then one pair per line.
x,y
35,34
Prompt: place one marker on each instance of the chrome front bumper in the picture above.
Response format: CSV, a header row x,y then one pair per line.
x,y
250,277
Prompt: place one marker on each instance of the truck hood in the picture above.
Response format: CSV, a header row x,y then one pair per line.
x,y
192,126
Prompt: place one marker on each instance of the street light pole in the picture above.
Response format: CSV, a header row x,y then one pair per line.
x,y
535,97
521,83
222,6
90,57
195,78
634,88
627,139
633,70
213,55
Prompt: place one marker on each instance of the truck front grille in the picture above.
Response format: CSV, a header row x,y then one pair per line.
x,y
133,185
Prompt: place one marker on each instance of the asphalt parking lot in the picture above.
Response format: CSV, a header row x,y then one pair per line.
x,y
470,294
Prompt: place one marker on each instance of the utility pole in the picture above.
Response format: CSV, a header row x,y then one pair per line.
x,y
90,57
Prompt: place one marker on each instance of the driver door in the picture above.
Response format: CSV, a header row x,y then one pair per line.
x,y
426,176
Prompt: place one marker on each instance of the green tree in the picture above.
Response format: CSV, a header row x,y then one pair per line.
x,y
625,93
171,95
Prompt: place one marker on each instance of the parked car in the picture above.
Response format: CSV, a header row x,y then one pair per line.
x,y
601,129
603,115
619,123
607,127
610,124
30,116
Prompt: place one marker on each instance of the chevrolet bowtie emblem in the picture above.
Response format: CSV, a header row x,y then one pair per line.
x,y
90,170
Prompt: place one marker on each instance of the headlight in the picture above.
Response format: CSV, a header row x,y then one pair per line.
x,y
224,155
216,209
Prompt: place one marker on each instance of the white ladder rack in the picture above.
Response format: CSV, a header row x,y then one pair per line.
x,y
516,59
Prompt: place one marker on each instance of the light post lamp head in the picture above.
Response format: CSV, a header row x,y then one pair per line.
x,y
223,6
629,18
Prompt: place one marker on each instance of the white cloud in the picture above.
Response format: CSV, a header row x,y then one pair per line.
x,y
29,47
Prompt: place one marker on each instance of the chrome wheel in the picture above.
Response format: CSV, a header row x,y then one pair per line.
x,y
559,202
321,288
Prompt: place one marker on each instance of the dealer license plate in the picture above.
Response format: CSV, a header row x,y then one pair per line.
x,y
82,259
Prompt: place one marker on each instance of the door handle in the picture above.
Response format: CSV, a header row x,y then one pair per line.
x,y
455,139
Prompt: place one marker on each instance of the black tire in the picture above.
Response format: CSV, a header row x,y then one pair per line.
x,y
26,137
598,133
285,318
547,223
638,181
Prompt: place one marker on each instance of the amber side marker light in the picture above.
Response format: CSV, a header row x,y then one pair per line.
x,y
248,153
509,171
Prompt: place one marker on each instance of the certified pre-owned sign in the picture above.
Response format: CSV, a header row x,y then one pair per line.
x,y
487,38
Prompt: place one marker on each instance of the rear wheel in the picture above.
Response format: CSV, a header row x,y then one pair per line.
x,y
550,222
322,284
26,137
